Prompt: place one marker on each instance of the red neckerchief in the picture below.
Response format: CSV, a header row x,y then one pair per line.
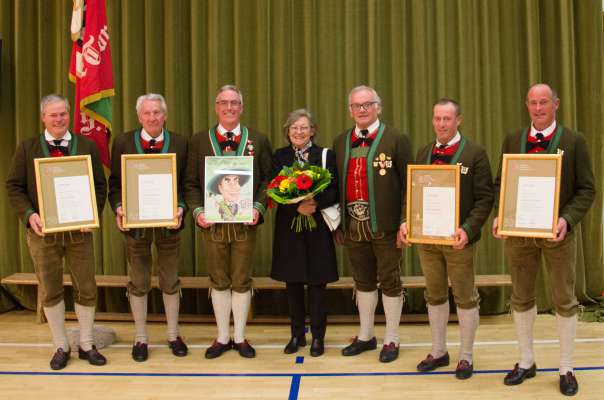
x,y
444,156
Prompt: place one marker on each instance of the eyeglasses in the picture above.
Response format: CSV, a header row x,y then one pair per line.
x,y
364,106
300,129
232,103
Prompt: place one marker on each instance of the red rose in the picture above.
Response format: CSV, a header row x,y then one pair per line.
x,y
275,182
303,182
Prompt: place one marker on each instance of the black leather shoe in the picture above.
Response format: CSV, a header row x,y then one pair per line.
x,y
294,344
178,347
518,375
245,349
568,384
430,363
93,356
358,346
59,359
389,352
317,348
464,369
140,352
217,348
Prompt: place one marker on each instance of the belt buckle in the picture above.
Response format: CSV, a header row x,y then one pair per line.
x,y
358,210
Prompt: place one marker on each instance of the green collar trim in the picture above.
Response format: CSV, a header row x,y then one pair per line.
x,y
73,145
370,180
216,145
456,156
553,144
139,147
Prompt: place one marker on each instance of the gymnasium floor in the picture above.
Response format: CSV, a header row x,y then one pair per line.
x,y
25,350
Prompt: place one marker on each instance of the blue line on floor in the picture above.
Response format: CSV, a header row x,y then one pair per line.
x,y
294,388
300,360
276,375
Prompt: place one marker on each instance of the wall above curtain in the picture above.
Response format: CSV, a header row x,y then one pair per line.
x,y
287,54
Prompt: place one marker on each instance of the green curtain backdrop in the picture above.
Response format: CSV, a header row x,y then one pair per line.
x,y
286,54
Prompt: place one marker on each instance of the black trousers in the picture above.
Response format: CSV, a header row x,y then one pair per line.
x,y
316,309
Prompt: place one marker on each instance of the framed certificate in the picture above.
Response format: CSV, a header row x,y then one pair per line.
x,y
66,194
432,203
149,190
229,189
529,195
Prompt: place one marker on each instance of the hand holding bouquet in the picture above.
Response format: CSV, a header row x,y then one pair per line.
x,y
296,183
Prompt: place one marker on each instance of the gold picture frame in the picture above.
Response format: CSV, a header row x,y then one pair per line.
x,y
526,207
149,176
437,183
66,196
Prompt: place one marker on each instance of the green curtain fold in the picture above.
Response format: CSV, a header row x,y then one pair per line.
x,y
287,54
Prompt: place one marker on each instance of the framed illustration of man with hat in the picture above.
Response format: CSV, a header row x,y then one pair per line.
x,y
228,189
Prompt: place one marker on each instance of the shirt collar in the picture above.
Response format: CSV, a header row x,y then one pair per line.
x,y
64,140
146,137
222,130
546,132
371,128
451,142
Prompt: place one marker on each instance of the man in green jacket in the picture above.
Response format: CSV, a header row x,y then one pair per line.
x,y
441,263
577,191
151,138
48,251
372,162
228,247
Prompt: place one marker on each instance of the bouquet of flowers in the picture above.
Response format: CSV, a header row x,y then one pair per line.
x,y
296,183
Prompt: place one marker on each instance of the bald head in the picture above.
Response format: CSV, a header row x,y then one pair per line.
x,y
542,103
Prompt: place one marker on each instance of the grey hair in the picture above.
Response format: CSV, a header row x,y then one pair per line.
x,y
230,87
554,93
443,101
296,115
52,98
152,97
376,97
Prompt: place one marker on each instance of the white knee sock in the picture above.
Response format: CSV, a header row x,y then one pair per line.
x,y
86,320
171,306
393,307
221,301
241,306
439,318
366,302
524,322
468,323
138,304
56,322
567,331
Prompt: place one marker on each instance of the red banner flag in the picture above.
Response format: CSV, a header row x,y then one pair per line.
x,y
92,73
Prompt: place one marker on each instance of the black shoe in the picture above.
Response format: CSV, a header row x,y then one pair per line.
x,y
518,375
217,348
389,352
358,346
464,370
430,363
245,349
568,384
178,347
317,348
93,356
294,344
140,351
59,359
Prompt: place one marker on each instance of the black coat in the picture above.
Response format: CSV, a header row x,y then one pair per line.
x,y
307,256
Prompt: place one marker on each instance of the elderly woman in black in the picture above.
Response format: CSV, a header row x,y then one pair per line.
x,y
307,257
